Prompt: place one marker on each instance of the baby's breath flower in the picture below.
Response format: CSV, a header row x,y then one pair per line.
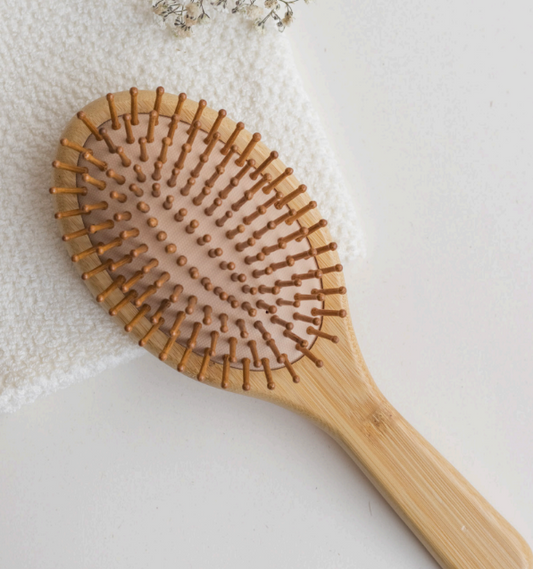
x,y
288,19
193,10
181,15
253,12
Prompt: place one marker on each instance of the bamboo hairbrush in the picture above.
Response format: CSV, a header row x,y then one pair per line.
x,y
187,229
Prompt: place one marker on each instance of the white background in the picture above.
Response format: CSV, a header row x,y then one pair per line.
x,y
428,107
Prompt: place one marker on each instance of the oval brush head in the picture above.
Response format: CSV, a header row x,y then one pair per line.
x,y
196,235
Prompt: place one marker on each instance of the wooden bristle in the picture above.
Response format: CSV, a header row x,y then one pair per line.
x,y
185,149
250,242
242,327
123,158
192,132
295,338
220,117
269,187
187,187
233,349
129,233
320,334
289,197
172,181
156,190
158,98
191,304
232,138
88,123
223,323
103,248
256,137
271,308
74,146
134,106
283,302
268,373
154,115
255,354
334,269
328,291
181,99
107,139
258,325
113,111
163,355
261,168
178,321
275,350
100,164
318,362
149,291
201,196
142,147
136,190
113,311
184,359
227,158
300,212
103,267
130,139
290,369
81,191
300,297
154,328
109,224
156,175
325,312
277,320
112,287
246,374
69,167
198,115
174,123
119,179
165,303
141,177
191,342
174,297
319,225
143,311
169,201
305,318
205,363
225,371
82,254
326,249
212,143
225,266
139,250
208,311
180,216
69,213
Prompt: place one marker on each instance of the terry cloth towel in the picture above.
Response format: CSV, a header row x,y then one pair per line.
x,y
55,58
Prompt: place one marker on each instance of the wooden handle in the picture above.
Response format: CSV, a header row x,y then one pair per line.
x,y
454,522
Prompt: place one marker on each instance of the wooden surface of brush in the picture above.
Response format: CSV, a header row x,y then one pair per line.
x,y
195,236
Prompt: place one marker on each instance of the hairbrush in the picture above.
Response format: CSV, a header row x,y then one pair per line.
x,y
208,250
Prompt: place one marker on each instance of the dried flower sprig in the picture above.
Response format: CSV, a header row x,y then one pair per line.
x,y
181,17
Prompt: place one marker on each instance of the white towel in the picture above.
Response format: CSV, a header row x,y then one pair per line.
x,y
55,58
